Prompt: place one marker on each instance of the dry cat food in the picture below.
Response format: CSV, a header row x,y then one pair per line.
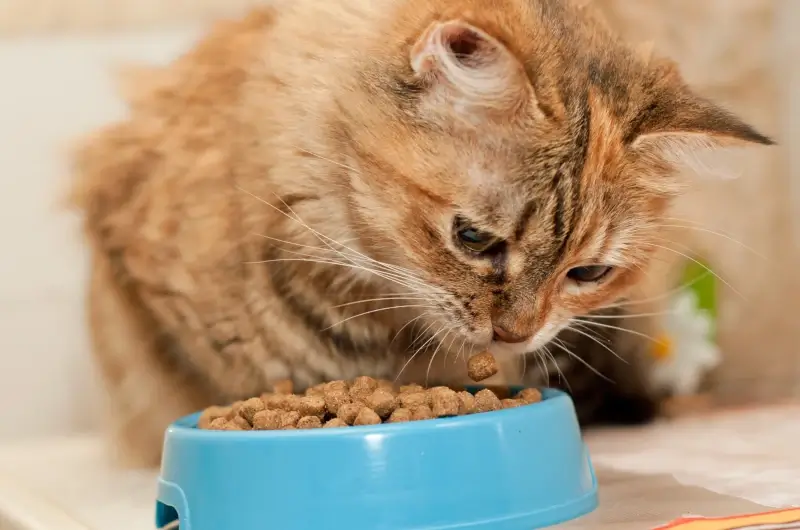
x,y
482,366
363,401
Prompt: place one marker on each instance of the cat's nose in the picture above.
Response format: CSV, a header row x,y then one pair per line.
x,y
503,335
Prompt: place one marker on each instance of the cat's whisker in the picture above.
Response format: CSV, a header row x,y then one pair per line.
x,y
398,274
296,218
400,271
699,263
618,328
397,278
323,238
433,355
524,366
356,171
467,354
421,335
635,315
377,311
658,298
331,261
698,224
450,346
431,339
599,340
460,350
325,262
292,243
542,362
321,261
558,343
397,334
326,159
719,234
298,245
385,299
561,376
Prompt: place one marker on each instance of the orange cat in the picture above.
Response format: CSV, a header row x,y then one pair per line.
x,y
323,190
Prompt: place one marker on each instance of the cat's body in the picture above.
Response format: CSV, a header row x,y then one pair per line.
x,y
299,162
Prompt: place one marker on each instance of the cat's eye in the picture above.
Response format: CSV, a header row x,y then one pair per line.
x,y
476,240
589,273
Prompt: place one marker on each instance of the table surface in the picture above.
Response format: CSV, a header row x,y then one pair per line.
x,y
724,464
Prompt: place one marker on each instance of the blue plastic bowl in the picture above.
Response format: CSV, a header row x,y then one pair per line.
x,y
515,469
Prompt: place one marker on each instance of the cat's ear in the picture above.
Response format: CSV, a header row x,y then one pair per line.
x,y
467,70
690,131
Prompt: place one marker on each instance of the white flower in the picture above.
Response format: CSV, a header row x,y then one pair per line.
x,y
686,350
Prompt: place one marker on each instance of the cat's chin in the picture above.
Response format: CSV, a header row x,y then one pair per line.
x,y
503,349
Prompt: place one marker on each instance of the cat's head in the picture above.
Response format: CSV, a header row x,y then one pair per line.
x,y
519,158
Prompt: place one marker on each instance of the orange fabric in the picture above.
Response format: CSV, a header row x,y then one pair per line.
x,y
779,520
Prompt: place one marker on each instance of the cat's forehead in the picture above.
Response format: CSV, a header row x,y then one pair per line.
x,y
525,175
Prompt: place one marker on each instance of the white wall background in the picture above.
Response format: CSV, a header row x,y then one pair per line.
x,y
52,90
787,52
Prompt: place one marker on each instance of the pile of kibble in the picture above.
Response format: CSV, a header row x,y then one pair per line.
x,y
363,401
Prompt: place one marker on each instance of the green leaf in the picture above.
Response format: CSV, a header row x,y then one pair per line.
x,y
704,284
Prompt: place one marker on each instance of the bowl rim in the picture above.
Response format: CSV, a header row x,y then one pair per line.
x,y
552,399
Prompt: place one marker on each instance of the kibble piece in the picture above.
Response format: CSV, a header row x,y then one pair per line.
x,y
362,387
367,416
467,404
276,401
335,398
411,389
267,420
414,400
309,422
221,424
335,422
400,415
285,387
502,392
312,406
444,402
482,366
250,407
234,409
487,401
289,418
423,412
530,396
348,412
389,386
317,390
512,403
382,402
337,385
211,414
242,423
292,402
218,424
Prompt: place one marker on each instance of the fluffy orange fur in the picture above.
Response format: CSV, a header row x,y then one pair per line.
x,y
296,196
